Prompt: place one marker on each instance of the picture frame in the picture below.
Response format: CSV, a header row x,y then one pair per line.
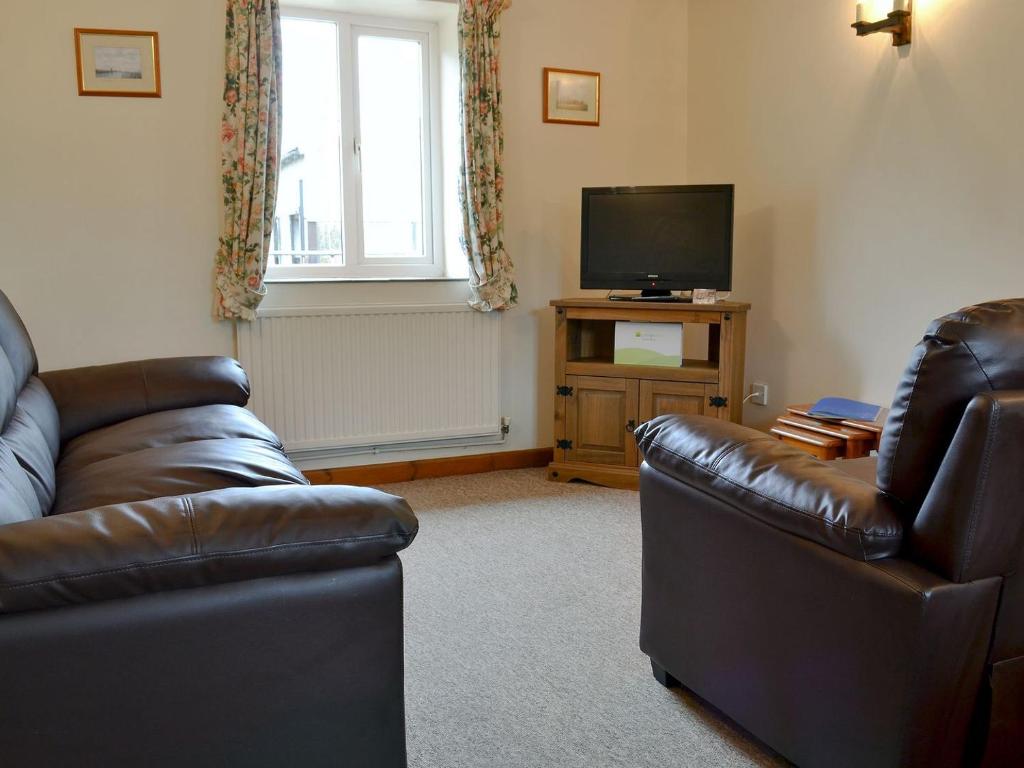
x,y
117,62
572,97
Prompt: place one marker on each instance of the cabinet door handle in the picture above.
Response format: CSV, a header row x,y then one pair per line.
x,y
630,425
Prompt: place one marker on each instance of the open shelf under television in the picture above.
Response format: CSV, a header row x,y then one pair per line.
x,y
598,403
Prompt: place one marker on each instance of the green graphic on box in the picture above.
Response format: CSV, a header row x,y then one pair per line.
x,y
659,344
646,357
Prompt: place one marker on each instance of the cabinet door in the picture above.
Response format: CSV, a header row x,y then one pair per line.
x,y
600,417
660,397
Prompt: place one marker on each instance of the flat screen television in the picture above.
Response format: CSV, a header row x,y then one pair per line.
x,y
657,239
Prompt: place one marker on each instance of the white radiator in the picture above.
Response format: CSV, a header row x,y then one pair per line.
x,y
330,379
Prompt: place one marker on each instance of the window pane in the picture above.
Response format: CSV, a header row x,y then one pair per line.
x,y
391,137
309,190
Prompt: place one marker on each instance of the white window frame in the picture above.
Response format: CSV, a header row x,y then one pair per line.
x,y
349,28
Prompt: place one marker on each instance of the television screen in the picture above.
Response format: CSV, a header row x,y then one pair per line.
x,y
657,238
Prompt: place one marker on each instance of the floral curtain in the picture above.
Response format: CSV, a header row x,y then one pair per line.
x,y
481,180
250,136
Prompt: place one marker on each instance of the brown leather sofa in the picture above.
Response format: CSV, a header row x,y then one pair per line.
x,y
172,591
865,613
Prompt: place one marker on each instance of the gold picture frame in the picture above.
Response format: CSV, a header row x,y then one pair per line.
x,y
117,62
572,97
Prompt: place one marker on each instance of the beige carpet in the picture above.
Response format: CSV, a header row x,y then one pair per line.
x,y
522,615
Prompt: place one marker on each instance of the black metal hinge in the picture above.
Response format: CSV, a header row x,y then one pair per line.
x,y
718,402
564,445
563,391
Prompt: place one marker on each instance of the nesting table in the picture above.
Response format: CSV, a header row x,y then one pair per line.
x,y
826,439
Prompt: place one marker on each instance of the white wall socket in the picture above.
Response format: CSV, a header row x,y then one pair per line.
x,y
758,394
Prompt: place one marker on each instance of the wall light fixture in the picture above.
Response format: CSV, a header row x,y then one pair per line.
x,y
897,23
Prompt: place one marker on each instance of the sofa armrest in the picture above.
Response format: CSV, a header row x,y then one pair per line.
x,y
775,483
208,538
970,525
94,397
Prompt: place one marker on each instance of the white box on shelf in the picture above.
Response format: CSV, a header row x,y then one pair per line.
x,y
659,344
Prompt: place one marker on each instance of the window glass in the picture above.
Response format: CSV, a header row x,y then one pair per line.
x,y
356,185
391,146
309,188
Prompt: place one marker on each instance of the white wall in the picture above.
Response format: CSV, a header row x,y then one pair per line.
x,y
876,188
109,207
638,47
109,210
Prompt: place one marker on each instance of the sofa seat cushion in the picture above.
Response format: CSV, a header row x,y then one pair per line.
x,y
158,430
169,454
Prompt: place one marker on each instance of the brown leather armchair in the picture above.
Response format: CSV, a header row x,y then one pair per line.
x,y
172,591
864,613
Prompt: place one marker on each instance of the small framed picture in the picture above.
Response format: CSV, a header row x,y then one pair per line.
x,y
705,296
572,97
117,62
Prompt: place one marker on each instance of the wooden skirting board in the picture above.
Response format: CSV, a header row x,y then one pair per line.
x,y
403,471
626,478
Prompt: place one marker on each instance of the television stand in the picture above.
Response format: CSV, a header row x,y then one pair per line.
x,y
599,403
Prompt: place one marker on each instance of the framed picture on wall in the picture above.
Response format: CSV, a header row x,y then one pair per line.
x,y
572,96
117,62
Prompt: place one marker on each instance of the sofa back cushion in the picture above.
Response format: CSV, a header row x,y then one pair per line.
x,y
17,359
29,425
976,350
18,500
34,437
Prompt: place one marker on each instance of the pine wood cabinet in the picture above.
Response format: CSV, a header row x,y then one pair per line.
x,y
599,404
660,397
600,414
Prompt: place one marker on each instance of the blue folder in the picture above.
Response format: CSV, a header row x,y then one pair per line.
x,y
841,408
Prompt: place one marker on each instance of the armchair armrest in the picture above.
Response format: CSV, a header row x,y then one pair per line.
x,y
970,526
774,483
94,397
179,542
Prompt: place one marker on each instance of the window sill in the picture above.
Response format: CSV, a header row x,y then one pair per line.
x,y
297,280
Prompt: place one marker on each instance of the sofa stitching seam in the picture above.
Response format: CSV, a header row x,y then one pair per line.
x,y
783,504
145,387
980,366
896,578
732,448
191,514
200,558
725,452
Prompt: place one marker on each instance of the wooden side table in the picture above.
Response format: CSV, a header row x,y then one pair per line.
x,y
826,439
